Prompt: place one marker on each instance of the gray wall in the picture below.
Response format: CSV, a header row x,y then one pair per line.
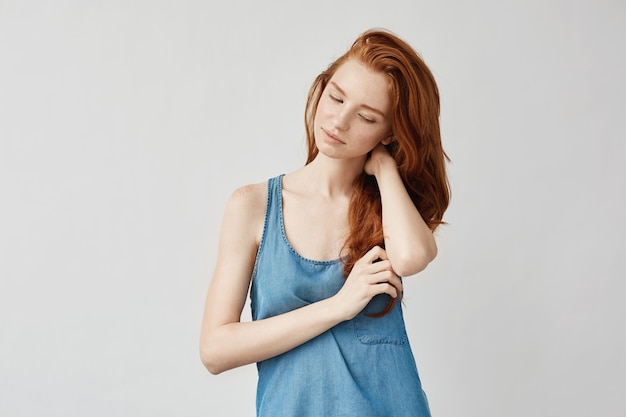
x,y
124,126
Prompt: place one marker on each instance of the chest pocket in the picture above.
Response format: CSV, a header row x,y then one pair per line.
x,y
388,329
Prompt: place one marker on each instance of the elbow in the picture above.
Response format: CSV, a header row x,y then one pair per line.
x,y
210,360
217,352
409,267
413,262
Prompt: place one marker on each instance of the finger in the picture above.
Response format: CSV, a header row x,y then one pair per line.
x,y
374,254
386,288
388,277
379,266
380,148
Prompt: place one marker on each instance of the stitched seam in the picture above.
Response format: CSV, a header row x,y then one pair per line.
x,y
284,235
265,221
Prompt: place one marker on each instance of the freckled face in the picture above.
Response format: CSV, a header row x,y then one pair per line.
x,y
353,112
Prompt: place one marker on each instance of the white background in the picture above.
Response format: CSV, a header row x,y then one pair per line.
x,y
125,125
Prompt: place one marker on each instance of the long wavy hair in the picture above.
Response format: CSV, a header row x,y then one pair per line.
x,y
416,148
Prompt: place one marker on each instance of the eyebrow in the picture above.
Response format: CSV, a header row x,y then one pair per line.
x,y
365,106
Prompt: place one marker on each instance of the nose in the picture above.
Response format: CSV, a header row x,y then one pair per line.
x,y
341,121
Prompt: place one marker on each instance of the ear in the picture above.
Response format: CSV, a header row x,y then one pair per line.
x,y
388,139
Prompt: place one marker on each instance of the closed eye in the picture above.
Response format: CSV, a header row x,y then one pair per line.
x,y
367,119
335,98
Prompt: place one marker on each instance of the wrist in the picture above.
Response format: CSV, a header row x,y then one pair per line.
x,y
384,165
336,308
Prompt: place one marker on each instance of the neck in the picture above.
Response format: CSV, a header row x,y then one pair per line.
x,y
333,177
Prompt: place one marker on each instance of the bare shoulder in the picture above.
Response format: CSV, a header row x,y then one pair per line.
x,y
251,198
246,208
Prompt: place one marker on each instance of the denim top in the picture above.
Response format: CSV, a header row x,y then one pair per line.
x,y
361,367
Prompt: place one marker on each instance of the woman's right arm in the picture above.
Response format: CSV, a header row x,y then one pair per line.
x,y
225,342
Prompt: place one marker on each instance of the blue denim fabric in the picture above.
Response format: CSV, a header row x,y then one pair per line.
x,y
362,367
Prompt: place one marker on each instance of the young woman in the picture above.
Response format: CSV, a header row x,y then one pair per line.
x,y
322,249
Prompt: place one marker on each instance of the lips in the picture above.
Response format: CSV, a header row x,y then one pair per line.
x,y
332,137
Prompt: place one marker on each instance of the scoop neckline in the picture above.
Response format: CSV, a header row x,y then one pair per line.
x,y
284,235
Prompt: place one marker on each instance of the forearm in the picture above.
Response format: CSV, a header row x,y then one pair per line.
x,y
409,242
235,344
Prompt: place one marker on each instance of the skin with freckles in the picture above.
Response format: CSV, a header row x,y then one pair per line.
x,y
353,113
353,124
352,119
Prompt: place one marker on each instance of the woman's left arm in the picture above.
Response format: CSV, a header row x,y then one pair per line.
x,y
409,242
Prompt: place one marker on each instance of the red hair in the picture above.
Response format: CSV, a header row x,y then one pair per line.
x,y
417,146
